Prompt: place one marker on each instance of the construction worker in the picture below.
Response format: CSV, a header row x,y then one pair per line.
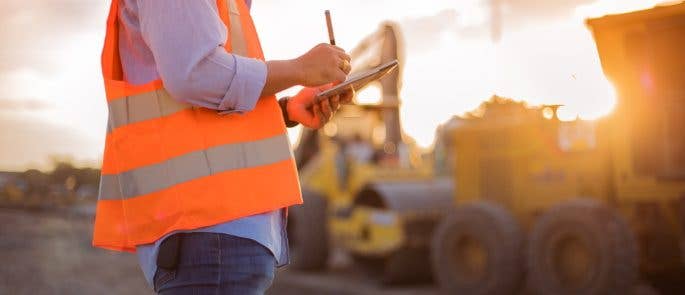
x,y
197,170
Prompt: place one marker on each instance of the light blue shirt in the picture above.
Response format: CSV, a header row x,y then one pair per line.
x,y
181,42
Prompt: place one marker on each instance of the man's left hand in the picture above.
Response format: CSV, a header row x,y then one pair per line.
x,y
302,109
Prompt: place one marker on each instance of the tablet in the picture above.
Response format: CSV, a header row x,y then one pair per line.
x,y
360,80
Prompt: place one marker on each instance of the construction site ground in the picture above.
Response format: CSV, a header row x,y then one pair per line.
x,y
50,253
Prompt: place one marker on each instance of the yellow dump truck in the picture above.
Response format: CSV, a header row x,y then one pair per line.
x,y
575,207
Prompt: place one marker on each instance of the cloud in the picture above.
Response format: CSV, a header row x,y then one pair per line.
x,y
39,76
540,9
424,32
523,12
9,104
34,30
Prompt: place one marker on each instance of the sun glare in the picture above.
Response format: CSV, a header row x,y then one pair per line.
x,y
369,95
602,106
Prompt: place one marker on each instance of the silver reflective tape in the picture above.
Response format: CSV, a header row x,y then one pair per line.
x,y
142,107
109,125
152,178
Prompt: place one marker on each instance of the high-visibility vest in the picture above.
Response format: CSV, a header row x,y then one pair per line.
x,y
171,166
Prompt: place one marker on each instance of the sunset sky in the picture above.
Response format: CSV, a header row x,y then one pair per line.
x,y
52,100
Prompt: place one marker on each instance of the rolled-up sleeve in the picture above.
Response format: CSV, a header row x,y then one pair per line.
x,y
186,39
248,82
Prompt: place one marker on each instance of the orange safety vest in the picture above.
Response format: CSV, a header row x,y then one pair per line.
x,y
171,166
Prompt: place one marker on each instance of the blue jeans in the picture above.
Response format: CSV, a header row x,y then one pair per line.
x,y
212,263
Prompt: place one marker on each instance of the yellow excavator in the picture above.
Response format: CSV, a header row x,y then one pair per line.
x,y
580,207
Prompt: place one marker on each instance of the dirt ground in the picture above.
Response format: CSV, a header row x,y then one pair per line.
x,y
50,253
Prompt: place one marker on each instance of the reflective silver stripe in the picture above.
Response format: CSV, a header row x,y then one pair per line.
x,y
238,42
194,165
109,125
141,107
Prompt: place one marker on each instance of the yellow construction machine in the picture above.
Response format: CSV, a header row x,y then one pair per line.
x,y
582,207
364,183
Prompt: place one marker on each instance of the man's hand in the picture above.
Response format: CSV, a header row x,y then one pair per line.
x,y
302,109
323,64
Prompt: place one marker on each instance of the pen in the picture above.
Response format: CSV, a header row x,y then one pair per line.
x,y
331,37
329,23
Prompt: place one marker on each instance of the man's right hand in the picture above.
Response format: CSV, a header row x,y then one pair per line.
x,y
323,64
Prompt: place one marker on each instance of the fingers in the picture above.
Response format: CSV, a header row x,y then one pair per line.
x,y
318,116
338,48
339,75
335,102
345,66
324,64
345,59
345,56
326,110
320,112
347,96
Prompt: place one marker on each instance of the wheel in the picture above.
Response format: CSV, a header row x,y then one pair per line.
x,y
582,247
308,233
477,249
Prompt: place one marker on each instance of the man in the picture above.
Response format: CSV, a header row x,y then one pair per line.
x,y
197,170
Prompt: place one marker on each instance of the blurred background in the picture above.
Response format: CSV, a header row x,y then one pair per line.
x,y
524,147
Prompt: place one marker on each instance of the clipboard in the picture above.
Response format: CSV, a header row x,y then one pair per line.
x,y
360,80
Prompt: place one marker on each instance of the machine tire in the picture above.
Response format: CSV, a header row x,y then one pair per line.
x,y
308,233
603,261
501,239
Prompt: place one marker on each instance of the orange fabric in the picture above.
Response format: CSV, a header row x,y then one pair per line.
x,y
123,224
222,7
185,206
253,44
139,144
112,73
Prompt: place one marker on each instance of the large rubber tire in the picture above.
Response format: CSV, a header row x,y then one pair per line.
x,y
308,233
489,228
582,247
